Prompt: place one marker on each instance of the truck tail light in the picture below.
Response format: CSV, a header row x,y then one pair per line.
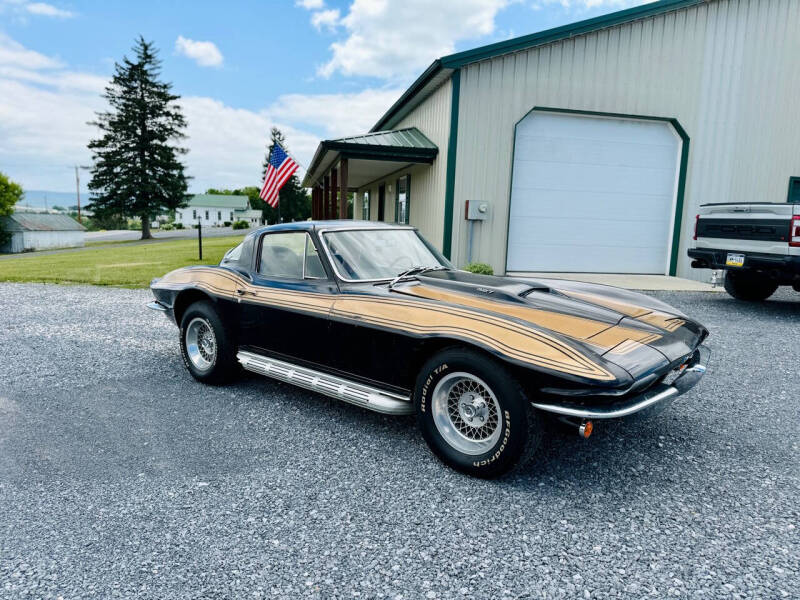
x,y
696,222
794,231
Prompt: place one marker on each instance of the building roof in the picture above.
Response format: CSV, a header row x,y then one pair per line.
x,y
219,201
36,221
405,146
442,68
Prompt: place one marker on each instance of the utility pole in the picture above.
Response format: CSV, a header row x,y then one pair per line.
x,y
200,239
78,187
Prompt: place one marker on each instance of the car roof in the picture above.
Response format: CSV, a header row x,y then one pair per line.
x,y
329,225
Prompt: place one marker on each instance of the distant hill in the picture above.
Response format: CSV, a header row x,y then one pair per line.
x,y
48,199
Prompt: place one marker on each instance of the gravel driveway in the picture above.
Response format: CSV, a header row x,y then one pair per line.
x,y
120,476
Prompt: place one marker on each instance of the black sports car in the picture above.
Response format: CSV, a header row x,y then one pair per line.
x,y
372,314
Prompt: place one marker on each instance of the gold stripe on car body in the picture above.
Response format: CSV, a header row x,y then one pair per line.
x,y
511,339
603,335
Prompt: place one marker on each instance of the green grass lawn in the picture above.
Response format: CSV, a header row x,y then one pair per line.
x,y
127,265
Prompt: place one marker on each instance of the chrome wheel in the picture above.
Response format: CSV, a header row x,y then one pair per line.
x,y
466,413
201,344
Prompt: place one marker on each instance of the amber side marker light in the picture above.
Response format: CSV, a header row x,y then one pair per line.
x,y
585,430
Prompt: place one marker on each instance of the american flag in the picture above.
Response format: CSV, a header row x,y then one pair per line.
x,y
281,166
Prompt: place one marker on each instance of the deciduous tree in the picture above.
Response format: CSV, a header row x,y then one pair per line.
x,y
10,194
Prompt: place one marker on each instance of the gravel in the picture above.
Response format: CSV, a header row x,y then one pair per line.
x,y
120,476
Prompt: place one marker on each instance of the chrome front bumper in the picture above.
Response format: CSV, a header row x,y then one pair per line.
x,y
651,402
156,305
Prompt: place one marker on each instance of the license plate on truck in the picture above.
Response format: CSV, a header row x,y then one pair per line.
x,y
734,260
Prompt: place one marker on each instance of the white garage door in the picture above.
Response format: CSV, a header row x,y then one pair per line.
x,y
592,194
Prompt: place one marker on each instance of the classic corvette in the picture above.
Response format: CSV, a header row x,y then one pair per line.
x,y
372,314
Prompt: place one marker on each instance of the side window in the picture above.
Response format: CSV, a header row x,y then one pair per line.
x,y
290,255
233,255
313,266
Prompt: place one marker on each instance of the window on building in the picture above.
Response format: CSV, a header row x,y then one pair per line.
x,y
194,214
794,190
365,207
219,215
402,199
206,215
231,218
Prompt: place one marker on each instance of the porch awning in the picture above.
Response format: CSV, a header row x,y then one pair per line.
x,y
371,156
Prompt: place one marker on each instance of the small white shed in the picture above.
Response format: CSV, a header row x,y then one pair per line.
x,y
41,231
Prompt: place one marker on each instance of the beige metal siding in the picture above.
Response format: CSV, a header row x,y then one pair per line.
x,y
726,70
431,117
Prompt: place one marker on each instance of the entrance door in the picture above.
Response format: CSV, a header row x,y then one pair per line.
x,y
381,202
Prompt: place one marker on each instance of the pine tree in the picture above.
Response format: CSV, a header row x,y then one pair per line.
x,y
137,171
294,202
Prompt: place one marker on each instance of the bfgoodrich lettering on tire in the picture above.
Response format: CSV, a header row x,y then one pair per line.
x,y
473,414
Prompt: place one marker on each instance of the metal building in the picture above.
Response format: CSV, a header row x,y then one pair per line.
x,y
590,146
41,231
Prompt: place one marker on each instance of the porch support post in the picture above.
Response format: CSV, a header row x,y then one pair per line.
x,y
315,202
334,190
343,194
326,196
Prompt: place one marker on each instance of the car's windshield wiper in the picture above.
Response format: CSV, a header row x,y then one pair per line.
x,y
418,270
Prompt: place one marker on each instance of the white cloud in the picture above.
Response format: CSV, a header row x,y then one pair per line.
x,y
327,19
311,4
15,54
45,109
21,9
47,10
337,115
395,40
205,54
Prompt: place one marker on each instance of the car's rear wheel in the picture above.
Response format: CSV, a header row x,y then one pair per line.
x,y
749,286
208,350
473,414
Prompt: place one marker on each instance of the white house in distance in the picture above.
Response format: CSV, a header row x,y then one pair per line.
x,y
215,210
41,231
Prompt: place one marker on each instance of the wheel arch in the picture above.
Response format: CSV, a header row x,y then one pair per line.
x,y
185,298
530,380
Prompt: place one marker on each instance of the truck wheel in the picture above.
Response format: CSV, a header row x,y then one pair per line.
x,y
208,350
474,415
749,287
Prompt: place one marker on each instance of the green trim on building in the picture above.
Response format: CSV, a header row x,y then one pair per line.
x,y
794,191
450,178
684,164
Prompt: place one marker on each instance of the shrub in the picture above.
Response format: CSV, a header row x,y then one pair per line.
x,y
166,227
226,223
178,225
241,224
479,268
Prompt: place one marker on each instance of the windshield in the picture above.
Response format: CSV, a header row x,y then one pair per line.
x,y
366,254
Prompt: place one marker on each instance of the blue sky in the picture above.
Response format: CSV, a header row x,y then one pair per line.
x,y
315,68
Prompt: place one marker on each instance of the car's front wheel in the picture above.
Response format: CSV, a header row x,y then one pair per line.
x,y
208,350
748,286
473,414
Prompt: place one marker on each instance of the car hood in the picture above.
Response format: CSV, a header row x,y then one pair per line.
x,y
634,331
